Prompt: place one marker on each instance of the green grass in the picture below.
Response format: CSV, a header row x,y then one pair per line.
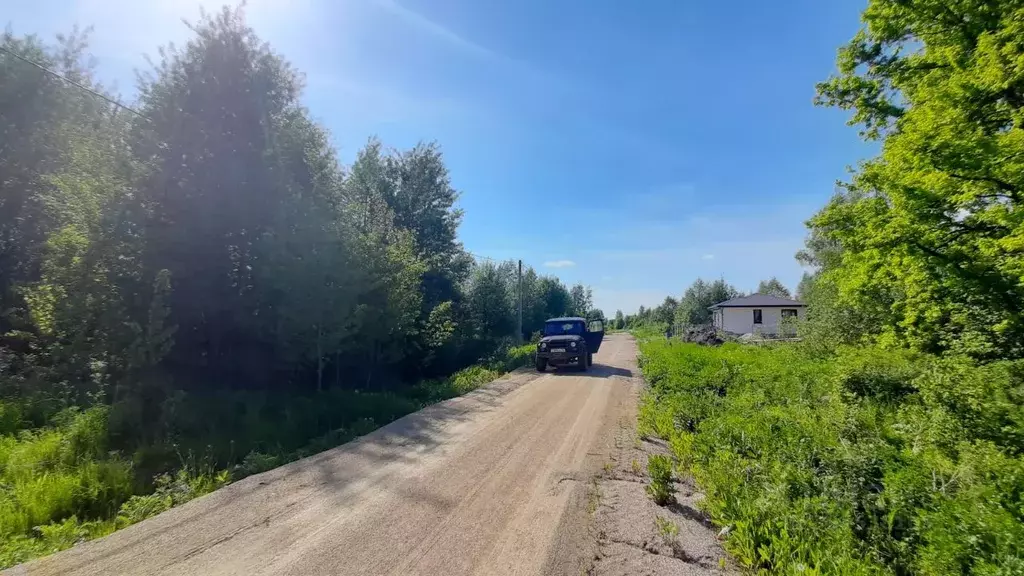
x,y
667,529
61,484
868,462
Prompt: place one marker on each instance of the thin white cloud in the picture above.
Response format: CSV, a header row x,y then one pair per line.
x,y
437,30
383,104
708,257
559,264
554,84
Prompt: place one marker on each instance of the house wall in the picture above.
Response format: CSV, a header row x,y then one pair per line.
x,y
741,320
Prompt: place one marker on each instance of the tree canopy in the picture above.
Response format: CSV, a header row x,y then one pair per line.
x,y
927,238
773,287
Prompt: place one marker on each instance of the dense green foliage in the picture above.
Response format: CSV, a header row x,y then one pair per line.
x,y
200,290
927,240
867,462
773,287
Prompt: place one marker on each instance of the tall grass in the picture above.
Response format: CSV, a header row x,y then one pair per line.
x,y
870,462
62,484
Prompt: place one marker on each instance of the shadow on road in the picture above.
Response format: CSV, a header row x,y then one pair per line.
x,y
598,370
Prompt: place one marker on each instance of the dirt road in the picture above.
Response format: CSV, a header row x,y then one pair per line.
x,y
489,483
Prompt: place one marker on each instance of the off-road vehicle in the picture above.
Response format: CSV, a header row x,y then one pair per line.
x,y
569,341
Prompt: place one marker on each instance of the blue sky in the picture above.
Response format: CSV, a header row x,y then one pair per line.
x,y
631,146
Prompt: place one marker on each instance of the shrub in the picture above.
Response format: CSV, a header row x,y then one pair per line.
x,y
873,372
138,508
986,402
660,489
50,538
667,529
10,418
976,523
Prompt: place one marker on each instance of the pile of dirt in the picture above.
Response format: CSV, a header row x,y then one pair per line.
x,y
706,335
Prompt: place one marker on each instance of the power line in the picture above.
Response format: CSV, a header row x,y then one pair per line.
x,y
73,83
484,257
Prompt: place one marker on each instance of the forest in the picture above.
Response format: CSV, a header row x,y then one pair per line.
x,y
890,439
194,288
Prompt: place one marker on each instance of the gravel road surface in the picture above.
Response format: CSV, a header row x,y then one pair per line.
x,y
489,483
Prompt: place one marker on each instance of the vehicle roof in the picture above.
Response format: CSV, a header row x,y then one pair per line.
x,y
567,319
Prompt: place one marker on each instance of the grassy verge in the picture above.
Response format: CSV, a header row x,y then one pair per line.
x,y
61,484
867,462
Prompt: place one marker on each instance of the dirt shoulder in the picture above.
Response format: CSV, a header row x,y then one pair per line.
x,y
630,534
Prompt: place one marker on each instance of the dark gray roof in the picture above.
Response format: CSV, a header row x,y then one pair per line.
x,y
758,301
567,319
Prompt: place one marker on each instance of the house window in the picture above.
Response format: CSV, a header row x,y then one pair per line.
x,y
789,312
757,316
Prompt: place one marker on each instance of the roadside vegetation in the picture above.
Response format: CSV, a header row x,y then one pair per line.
x,y
193,288
890,440
866,461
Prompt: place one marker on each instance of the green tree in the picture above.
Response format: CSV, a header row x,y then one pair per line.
x,y
490,298
620,321
222,171
555,296
773,287
581,300
805,287
666,311
931,230
694,307
44,127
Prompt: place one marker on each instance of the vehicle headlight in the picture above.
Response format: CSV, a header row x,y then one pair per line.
x,y
572,344
543,345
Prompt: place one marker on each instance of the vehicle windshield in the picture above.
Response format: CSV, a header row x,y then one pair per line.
x,y
558,328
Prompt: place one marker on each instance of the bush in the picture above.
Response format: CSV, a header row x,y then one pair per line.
x,y
986,402
10,418
887,375
49,539
660,489
138,508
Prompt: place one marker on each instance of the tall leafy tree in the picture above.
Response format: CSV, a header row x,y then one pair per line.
x,y
43,121
931,230
218,182
694,306
773,287
556,298
805,287
491,302
581,300
666,311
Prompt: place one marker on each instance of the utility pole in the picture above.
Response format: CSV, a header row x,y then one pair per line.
x,y
519,331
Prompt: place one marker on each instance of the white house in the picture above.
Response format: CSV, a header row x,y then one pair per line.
x,y
756,314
